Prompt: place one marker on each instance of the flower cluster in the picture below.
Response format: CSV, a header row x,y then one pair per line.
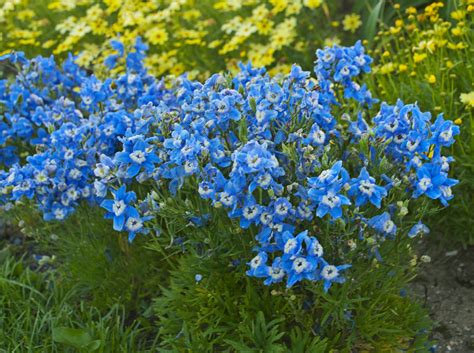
x,y
282,156
197,37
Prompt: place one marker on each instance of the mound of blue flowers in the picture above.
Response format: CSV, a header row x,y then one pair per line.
x,y
297,161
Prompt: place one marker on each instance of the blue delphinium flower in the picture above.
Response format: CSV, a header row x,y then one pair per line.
x,y
444,132
258,265
119,209
383,224
330,274
141,156
326,193
276,273
417,229
364,190
434,183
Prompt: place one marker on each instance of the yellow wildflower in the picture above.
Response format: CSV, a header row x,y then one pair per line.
x,y
419,57
312,4
402,68
351,22
456,31
431,79
329,42
156,36
458,15
468,99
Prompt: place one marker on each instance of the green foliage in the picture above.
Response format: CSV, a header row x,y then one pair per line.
x,y
377,12
97,260
227,311
40,313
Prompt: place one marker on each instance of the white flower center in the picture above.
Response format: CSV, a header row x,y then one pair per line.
x,y
276,273
317,249
446,135
264,180
319,136
59,214
133,224
300,264
118,207
265,218
392,126
250,212
446,190
253,160
256,261
366,187
331,200
345,71
282,210
388,226
290,245
138,157
424,183
329,272
227,199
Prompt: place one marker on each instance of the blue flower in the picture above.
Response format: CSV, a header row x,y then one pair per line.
x,y
364,189
383,224
140,157
276,273
434,183
119,208
330,274
444,132
258,267
250,212
417,229
325,191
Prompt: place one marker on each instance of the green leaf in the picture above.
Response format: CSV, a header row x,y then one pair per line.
x,y
77,338
371,25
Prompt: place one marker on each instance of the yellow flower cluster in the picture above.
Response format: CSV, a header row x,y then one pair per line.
x,y
428,52
194,36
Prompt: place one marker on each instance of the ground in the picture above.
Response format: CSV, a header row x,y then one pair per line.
x,y
446,287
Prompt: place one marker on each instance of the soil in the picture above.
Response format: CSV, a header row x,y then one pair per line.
x,y
446,287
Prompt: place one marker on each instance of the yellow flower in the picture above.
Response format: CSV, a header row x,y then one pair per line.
x,y
329,42
264,26
394,30
458,121
431,79
468,99
156,36
456,31
402,68
351,22
458,15
312,4
419,57
387,68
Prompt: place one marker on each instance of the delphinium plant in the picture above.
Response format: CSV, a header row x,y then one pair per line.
x,y
292,188
429,55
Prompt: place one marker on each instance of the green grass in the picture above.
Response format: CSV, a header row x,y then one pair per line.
x,y
38,313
